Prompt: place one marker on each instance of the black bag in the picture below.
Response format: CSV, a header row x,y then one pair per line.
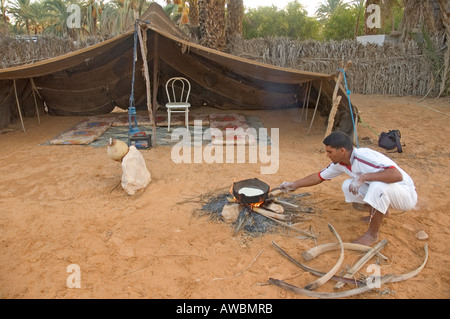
x,y
390,140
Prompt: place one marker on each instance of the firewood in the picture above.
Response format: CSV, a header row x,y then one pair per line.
x,y
275,208
327,295
318,250
267,213
413,273
352,271
342,294
319,282
315,271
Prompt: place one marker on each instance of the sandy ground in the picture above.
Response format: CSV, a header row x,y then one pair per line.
x,y
58,207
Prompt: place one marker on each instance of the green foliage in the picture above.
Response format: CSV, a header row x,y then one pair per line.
x,y
291,22
327,8
341,23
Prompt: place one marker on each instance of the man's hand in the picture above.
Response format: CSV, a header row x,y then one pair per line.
x,y
356,184
287,186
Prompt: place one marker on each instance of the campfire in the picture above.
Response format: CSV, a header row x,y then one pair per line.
x,y
255,194
252,206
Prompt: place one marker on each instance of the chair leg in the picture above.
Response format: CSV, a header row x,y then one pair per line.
x,y
168,120
187,119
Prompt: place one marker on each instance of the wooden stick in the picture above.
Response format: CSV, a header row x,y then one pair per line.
x,y
315,108
155,75
315,271
267,213
327,295
243,269
18,105
364,259
143,46
318,250
413,273
293,228
33,88
319,282
335,101
284,203
351,292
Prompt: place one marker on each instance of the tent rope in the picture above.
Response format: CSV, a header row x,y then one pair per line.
x,y
350,105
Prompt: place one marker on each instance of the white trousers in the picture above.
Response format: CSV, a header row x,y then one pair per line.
x,y
381,195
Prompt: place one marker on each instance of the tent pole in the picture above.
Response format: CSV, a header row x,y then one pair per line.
x,y
147,78
33,87
335,101
307,103
315,109
304,100
18,105
155,74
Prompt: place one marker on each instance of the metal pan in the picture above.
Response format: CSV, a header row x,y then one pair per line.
x,y
252,183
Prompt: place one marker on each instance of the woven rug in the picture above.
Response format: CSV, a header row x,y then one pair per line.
x,y
97,130
237,126
84,132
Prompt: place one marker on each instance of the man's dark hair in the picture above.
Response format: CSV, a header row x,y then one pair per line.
x,y
337,140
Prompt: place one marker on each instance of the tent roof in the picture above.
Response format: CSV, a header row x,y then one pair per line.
x,y
94,80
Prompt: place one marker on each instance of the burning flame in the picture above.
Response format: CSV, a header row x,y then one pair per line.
x,y
253,205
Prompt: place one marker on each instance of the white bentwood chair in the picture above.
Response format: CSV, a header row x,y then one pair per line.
x,y
178,90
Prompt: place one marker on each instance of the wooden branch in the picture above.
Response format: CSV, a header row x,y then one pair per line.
x,y
351,292
364,259
267,213
335,100
315,271
327,295
318,250
143,46
319,282
413,273
18,106
293,228
33,89
278,201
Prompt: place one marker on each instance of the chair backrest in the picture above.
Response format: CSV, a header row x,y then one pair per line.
x,y
178,89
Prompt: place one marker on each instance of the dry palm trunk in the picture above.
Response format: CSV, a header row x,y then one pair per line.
x,y
235,13
212,24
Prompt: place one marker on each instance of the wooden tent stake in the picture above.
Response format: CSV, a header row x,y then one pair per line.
x,y
143,45
33,88
315,108
18,106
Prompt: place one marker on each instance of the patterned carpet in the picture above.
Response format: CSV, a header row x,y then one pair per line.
x,y
96,131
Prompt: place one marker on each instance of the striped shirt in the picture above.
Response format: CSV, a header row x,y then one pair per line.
x,y
362,161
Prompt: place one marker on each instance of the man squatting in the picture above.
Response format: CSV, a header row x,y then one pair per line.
x,y
376,181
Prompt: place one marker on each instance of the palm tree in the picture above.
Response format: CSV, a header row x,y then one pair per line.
x,y
92,10
21,12
39,16
235,13
58,25
4,18
328,7
212,24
